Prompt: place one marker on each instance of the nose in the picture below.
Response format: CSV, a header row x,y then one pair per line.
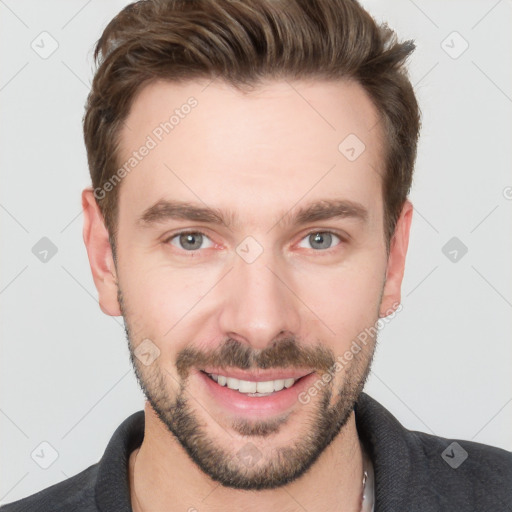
x,y
259,303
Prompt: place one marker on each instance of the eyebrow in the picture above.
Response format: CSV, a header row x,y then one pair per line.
x,y
164,210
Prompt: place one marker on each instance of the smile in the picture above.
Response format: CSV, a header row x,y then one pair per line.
x,y
255,392
252,388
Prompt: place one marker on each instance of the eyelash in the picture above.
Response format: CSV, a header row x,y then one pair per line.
x,y
196,232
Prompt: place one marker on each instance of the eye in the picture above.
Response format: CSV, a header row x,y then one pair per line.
x,y
189,240
320,240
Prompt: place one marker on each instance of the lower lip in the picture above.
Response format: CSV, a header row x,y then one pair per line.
x,y
240,403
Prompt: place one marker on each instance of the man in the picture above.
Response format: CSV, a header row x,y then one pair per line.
x,y
250,163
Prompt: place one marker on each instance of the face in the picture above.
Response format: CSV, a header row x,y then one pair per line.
x,y
251,255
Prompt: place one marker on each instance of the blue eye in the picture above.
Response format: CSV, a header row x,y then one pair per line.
x,y
320,240
189,240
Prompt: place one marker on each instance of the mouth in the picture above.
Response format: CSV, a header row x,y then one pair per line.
x,y
253,388
254,394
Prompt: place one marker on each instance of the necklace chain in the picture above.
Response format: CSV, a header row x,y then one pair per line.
x,y
365,475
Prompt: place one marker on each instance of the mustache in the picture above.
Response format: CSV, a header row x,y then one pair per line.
x,y
285,353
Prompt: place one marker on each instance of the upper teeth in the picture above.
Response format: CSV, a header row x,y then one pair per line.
x,y
248,386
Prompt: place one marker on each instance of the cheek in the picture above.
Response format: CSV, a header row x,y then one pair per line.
x,y
345,299
161,298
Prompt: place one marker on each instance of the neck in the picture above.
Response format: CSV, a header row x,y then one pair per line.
x,y
163,477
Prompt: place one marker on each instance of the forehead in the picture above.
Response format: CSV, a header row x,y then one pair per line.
x,y
209,142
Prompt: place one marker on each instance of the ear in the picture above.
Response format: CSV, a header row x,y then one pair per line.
x,y
391,296
100,254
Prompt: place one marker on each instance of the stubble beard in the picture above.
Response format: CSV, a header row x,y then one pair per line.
x,y
246,467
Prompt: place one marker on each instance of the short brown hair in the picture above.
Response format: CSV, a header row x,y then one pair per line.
x,y
244,42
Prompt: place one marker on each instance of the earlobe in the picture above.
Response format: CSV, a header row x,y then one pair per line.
x,y
391,296
99,252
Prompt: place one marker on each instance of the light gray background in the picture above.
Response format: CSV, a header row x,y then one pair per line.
x,y
442,365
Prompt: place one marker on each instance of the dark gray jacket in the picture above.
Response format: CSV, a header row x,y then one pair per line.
x,y
414,471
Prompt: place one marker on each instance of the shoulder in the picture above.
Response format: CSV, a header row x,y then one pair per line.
x,y
462,472
103,484
419,471
466,459
73,494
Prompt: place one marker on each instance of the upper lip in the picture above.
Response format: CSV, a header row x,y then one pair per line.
x,y
259,375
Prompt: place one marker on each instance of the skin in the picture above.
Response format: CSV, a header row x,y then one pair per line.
x,y
258,154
